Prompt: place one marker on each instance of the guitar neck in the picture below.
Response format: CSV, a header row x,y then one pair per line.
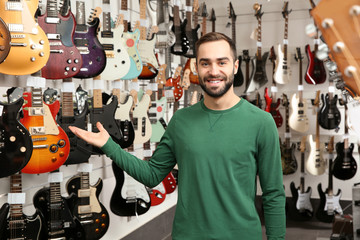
x,y
302,167
286,37
176,16
188,17
258,53
80,13
16,210
97,104
51,8
67,102
124,7
287,127
143,32
203,26
330,186
317,137
233,30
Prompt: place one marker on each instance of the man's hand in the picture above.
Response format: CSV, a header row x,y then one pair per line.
x,y
97,139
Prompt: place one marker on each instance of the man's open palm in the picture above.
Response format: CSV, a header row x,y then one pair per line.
x,y
97,139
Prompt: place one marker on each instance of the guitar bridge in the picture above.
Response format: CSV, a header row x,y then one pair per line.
x,y
37,130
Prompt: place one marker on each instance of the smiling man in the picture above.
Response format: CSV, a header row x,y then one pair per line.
x,y
220,145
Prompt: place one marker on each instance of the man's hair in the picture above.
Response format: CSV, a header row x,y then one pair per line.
x,y
216,36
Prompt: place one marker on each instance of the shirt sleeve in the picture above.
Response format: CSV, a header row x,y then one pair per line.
x,y
271,180
151,172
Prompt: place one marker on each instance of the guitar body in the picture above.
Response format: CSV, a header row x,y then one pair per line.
x,y
92,52
273,108
61,226
51,148
117,57
65,59
31,229
95,222
80,151
192,36
288,160
325,212
315,164
300,207
156,114
190,70
5,40
344,166
136,65
182,44
122,118
141,121
239,77
282,74
315,72
354,116
175,83
329,115
30,46
298,119
128,207
4,212
259,78
15,142
165,37
150,62
157,194
105,116
169,183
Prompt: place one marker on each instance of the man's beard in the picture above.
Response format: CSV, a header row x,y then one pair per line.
x,y
218,92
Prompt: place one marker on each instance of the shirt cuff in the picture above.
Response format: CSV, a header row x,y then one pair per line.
x,y
109,147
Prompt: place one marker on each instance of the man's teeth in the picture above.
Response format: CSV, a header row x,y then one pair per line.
x,y
214,81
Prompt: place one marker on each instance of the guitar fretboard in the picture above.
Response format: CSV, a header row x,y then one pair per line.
x,y
67,102
51,8
16,212
80,13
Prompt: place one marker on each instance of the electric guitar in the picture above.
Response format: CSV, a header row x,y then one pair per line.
x,y
282,73
329,203
316,164
117,57
238,77
301,207
86,41
213,20
86,206
315,72
5,40
165,38
248,75
51,146
182,44
259,78
273,105
15,142
30,49
65,59
191,33
173,84
288,160
104,114
19,225
57,218
344,166
298,118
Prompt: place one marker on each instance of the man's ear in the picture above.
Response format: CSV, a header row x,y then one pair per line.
x,y
236,66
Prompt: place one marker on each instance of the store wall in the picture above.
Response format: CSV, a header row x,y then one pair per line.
x,y
272,34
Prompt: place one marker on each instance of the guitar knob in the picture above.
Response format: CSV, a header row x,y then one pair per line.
x,y
61,143
53,148
76,60
61,154
74,69
41,54
33,46
97,230
67,68
103,216
42,42
97,220
68,61
53,159
32,59
103,225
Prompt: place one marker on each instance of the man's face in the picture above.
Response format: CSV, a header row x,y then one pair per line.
x,y
216,69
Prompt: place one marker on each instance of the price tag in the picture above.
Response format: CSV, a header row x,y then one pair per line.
x,y
134,86
169,93
106,8
85,167
287,135
274,89
16,198
68,87
177,2
1,110
89,127
143,22
300,87
331,89
118,84
126,14
346,136
147,153
317,41
152,86
98,84
37,82
259,44
55,177
286,41
188,8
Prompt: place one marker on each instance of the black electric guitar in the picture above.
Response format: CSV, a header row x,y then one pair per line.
x,y
259,79
238,77
248,72
191,33
288,160
86,206
344,166
329,203
58,220
300,206
15,141
182,44
18,225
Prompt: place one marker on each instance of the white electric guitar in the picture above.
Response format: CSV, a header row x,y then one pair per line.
x,y
282,74
140,118
316,164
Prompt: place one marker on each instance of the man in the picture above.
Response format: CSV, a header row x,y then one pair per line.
x,y
220,144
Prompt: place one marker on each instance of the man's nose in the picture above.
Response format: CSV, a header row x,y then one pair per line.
x,y
214,69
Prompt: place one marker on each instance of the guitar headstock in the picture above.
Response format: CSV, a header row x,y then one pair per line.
x,y
246,56
330,146
95,13
285,11
81,98
317,99
161,78
303,144
212,16
258,14
298,56
177,72
285,100
196,6
272,56
119,20
14,94
232,14
64,8
203,10
312,4
50,96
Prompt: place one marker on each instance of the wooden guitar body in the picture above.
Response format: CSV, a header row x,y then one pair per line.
x,y
5,40
92,214
51,145
190,70
298,119
65,59
315,164
329,115
15,142
315,72
92,52
288,160
30,49
325,212
147,55
134,205
344,166
300,208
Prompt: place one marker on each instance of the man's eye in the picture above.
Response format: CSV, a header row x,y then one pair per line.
x,y
204,64
222,63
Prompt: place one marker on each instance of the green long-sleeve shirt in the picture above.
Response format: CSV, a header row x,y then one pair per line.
x,y
218,154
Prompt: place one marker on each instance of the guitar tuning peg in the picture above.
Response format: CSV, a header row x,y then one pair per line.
x,y
322,52
311,30
331,66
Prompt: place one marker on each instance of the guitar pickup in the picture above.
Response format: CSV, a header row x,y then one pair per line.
x,y
13,27
18,36
36,111
84,209
107,34
53,36
83,193
52,20
14,6
81,42
108,47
